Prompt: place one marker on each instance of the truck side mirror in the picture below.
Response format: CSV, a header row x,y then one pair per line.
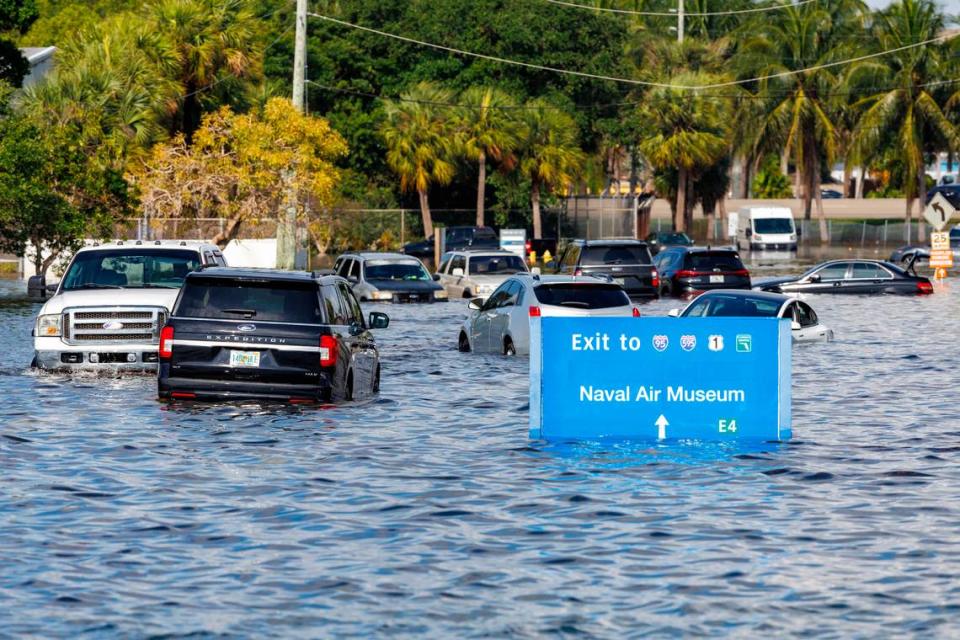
x,y
749,232
379,320
37,288
457,272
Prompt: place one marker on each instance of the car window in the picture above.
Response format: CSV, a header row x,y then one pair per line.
x,y
805,315
444,263
513,294
354,312
208,258
737,306
406,270
343,267
221,261
458,262
355,270
713,261
268,301
697,309
772,225
456,235
501,294
581,295
868,270
832,272
571,255
130,268
490,265
618,254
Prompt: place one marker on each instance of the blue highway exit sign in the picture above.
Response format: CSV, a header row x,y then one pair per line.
x,y
660,378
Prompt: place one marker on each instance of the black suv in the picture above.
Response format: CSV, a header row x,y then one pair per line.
x,y
688,269
456,238
259,333
625,262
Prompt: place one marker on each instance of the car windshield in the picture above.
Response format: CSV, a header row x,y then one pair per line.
x,y
732,305
496,265
773,225
267,300
616,254
713,260
675,238
581,295
394,270
130,269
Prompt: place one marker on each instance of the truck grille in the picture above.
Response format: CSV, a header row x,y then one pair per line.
x,y
113,325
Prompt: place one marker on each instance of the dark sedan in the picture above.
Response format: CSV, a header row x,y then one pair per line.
x,y
690,269
660,240
851,276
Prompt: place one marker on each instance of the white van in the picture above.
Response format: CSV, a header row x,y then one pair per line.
x,y
766,228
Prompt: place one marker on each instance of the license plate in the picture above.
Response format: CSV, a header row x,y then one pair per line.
x,y
620,281
244,358
414,296
716,279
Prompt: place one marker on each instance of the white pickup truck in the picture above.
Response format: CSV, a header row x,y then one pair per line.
x,y
113,299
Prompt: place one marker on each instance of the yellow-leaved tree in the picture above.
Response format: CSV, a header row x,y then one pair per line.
x,y
243,167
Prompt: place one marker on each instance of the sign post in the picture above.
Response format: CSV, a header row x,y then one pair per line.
x,y
716,379
941,256
514,241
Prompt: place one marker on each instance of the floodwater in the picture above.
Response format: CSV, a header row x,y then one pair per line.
x,y
428,512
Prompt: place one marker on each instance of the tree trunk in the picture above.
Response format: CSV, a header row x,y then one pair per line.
x,y
425,213
807,185
921,200
481,188
722,204
815,186
909,219
688,210
535,203
229,232
858,194
679,213
754,168
847,177
711,220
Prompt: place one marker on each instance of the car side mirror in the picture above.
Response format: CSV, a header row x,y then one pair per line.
x,y
379,320
535,271
37,288
749,232
353,279
673,313
436,277
795,326
476,304
799,231
458,272
814,278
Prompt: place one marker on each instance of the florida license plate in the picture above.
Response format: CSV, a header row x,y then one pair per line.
x,y
244,358
716,279
620,281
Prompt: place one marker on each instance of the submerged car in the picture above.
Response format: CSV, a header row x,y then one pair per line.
x,y
623,262
685,270
853,277
267,334
804,322
455,238
388,277
501,324
469,274
660,240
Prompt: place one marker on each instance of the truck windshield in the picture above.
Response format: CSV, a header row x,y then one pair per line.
x,y
772,225
267,301
490,265
130,269
384,270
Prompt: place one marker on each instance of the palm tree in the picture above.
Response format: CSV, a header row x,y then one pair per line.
x,y
794,113
685,130
907,111
212,42
548,152
418,135
487,129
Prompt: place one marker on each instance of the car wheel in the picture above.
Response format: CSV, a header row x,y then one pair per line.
x,y
508,348
376,381
464,344
348,392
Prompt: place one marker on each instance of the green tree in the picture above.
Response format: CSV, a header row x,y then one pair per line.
x,y
685,130
908,110
487,129
15,15
548,152
418,133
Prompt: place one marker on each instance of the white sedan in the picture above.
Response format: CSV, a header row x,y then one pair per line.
x,y
730,303
501,324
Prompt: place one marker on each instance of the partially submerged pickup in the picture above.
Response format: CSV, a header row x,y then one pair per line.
x,y
108,309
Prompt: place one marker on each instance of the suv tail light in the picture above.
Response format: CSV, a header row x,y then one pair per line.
x,y
534,312
328,351
740,272
924,286
636,312
165,352
686,273
655,279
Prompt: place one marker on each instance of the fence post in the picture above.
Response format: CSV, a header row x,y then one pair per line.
x,y
403,225
863,234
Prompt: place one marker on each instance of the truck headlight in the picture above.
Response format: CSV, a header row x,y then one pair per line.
x,y
49,326
382,295
440,295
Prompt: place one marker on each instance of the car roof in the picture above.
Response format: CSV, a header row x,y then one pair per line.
x,y
379,255
560,279
611,242
681,248
148,245
484,252
849,260
746,295
253,273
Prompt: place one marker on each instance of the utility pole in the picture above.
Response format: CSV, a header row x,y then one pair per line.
x,y
680,21
287,228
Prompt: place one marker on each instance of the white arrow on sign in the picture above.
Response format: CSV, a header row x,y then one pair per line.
x,y
662,427
939,211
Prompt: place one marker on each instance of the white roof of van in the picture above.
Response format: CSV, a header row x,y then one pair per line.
x,y
767,212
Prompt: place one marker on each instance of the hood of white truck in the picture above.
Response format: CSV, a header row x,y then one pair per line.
x,y
110,298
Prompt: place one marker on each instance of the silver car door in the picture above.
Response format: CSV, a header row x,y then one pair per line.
x,y
501,317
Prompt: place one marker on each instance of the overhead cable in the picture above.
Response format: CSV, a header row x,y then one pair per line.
x,y
642,83
673,14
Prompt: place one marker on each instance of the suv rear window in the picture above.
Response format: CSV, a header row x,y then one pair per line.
x,y
713,260
582,295
265,300
617,254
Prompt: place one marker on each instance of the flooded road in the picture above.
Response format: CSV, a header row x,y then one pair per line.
x,y
428,512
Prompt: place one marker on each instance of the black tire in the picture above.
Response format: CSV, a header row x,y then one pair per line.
x,y
376,381
466,294
463,344
348,392
508,348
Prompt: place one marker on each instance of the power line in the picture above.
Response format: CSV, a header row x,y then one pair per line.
x,y
673,14
642,83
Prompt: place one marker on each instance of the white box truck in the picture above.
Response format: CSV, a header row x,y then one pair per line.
x,y
766,229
